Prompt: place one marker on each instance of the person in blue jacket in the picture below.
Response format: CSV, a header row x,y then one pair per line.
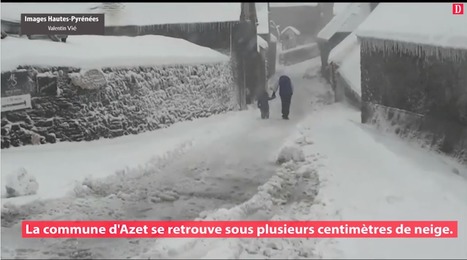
x,y
285,88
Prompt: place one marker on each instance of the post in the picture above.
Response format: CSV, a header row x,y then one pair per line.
x,y
248,44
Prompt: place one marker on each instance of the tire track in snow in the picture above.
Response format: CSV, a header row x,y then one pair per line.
x,y
288,194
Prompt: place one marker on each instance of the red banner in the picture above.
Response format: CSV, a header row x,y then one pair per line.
x,y
239,229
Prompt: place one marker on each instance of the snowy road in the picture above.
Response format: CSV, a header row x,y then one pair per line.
x,y
222,166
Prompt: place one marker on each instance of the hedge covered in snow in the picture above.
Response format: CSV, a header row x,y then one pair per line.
x,y
425,81
131,101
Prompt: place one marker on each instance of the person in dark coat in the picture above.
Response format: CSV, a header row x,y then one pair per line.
x,y
263,104
285,88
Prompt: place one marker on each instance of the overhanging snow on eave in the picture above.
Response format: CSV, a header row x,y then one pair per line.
x,y
346,21
391,46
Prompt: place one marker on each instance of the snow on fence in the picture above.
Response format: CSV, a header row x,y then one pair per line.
x,y
122,100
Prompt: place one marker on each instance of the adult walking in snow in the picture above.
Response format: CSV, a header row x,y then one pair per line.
x,y
285,87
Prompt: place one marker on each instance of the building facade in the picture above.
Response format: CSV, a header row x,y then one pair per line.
x,y
418,84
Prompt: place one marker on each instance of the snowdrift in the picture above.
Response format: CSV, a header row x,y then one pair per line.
x,y
20,183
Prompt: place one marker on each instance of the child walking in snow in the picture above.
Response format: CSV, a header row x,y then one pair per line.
x,y
263,104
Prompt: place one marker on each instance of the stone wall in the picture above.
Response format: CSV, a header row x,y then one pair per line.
x,y
132,101
428,83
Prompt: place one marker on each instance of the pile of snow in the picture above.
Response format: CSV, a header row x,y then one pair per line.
x,y
135,13
20,183
292,4
290,153
346,21
293,29
262,13
105,51
422,23
262,43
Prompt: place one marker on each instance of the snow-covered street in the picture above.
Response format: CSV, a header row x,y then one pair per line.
x,y
156,115
223,167
172,173
367,175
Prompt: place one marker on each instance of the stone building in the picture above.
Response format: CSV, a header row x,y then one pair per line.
x,y
413,73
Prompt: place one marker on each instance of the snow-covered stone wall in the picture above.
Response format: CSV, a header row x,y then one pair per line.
x,y
428,83
130,101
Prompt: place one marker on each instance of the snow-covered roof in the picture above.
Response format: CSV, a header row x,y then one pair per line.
x,y
293,29
421,23
347,56
262,13
350,70
342,50
346,21
262,43
291,4
105,51
134,13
